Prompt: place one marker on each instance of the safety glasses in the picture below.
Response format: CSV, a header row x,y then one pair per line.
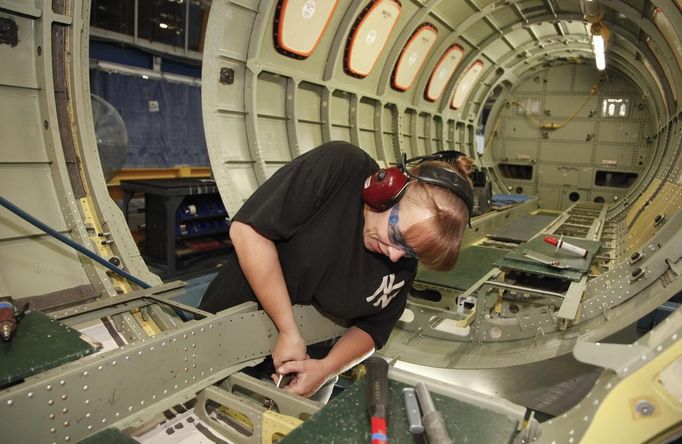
x,y
394,234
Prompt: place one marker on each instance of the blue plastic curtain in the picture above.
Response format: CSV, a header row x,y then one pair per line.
x,y
163,119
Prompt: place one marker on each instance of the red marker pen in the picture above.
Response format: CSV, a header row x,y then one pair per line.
x,y
559,243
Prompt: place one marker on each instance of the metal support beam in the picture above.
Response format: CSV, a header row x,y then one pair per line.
x,y
76,400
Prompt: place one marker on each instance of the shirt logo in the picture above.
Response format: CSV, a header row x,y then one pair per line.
x,y
386,291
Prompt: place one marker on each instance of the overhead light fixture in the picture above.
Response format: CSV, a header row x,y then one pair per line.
x,y
600,35
598,47
600,32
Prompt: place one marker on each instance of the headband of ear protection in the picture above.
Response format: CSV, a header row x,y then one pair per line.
x,y
384,188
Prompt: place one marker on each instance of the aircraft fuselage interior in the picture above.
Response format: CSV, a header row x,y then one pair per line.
x,y
570,110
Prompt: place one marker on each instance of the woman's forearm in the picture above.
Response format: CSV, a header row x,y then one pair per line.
x,y
354,346
260,263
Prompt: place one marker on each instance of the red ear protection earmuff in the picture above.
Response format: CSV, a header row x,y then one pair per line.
x,y
385,187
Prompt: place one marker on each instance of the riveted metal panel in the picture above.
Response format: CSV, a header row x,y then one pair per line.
x,y
423,127
309,135
521,150
454,10
228,96
497,49
504,17
544,29
624,132
408,126
614,156
522,123
243,178
569,152
341,133
642,200
563,106
23,73
666,203
476,34
30,187
309,102
548,197
271,95
533,85
368,142
518,37
231,127
272,132
558,174
236,30
366,110
21,126
340,106
29,266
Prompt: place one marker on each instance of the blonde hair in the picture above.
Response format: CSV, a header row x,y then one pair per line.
x,y
437,240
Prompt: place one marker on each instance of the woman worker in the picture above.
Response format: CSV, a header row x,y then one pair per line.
x,y
333,230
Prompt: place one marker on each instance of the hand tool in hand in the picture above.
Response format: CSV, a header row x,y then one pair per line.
x,y
269,403
432,419
377,398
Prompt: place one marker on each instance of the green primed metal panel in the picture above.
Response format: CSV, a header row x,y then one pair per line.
x,y
340,108
232,127
568,151
31,188
33,268
625,132
309,102
545,29
524,150
366,110
497,49
23,56
518,126
237,31
229,96
367,143
505,17
345,420
22,134
574,133
309,136
515,259
109,436
39,343
341,133
622,156
244,178
473,263
271,95
521,230
273,133
455,11
558,175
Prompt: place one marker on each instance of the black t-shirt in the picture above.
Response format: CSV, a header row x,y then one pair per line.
x,y
312,210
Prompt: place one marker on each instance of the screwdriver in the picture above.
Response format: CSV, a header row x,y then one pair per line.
x,y
377,398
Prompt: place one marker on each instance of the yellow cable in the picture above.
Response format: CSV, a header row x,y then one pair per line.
x,y
555,125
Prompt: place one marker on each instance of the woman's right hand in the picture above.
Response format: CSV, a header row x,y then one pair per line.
x,y
289,347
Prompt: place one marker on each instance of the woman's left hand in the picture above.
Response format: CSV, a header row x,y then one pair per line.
x,y
310,375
